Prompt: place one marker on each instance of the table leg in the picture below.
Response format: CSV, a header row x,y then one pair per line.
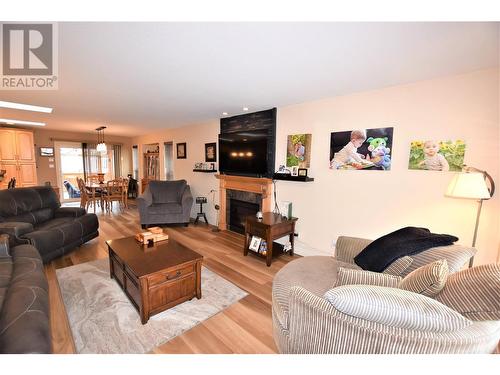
x,y
269,254
198,280
247,243
292,240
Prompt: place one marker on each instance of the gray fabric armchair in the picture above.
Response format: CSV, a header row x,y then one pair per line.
x,y
165,202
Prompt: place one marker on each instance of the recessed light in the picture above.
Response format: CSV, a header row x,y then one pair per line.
x,y
245,108
224,113
20,122
25,107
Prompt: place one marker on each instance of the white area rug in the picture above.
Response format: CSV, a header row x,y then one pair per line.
x,y
103,319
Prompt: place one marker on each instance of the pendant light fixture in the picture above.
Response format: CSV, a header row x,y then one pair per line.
x,y
101,146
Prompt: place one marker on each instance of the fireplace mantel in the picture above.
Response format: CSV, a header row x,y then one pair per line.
x,y
262,186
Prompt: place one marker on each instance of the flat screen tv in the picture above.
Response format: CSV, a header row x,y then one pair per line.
x,y
243,153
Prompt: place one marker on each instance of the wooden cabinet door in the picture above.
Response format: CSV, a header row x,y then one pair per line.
x,y
12,170
8,149
25,146
27,175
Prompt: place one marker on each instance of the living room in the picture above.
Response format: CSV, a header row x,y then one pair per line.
x,y
336,197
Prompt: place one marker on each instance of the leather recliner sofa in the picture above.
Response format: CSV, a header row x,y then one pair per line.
x,y
34,216
24,301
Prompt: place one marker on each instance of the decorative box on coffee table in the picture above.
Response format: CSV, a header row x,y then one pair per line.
x,y
155,278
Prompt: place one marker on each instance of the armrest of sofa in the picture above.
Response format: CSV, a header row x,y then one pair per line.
x,y
347,248
15,230
70,212
396,308
145,199
4,246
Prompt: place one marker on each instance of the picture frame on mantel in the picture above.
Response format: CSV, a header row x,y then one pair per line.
x,y
181,150
211,152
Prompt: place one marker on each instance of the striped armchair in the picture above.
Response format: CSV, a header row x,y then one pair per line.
x,y
374,319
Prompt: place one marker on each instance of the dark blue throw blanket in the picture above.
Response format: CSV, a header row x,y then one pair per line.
x,y
379,254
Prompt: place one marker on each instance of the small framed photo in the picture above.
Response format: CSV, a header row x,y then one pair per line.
x,y
46,151
210,152
302,172
181,150
295,171
255,243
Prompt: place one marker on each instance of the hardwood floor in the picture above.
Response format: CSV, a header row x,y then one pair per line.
x,y
244,327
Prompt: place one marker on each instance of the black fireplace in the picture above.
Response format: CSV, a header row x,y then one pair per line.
x,y
238,211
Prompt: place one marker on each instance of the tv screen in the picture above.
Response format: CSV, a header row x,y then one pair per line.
x,y
243,153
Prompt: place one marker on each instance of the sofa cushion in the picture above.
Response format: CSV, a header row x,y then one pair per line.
x,y
317,274
31,205
167,191
456,256
474,292
165,208
347,276
400,265
427,280
24,316
395,307
57,233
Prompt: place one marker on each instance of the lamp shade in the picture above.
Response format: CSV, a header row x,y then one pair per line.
x,y
468,186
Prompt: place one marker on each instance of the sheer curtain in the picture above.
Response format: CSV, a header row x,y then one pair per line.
x,y
117,158
91,160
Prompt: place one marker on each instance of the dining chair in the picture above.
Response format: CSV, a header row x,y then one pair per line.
x,y
114,192
87,197
125,181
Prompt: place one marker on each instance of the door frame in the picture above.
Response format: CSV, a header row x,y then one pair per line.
x,y
57,154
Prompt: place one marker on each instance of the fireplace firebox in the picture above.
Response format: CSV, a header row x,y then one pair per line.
x,y
238,211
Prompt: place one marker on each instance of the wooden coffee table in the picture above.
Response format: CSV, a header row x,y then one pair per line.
x,y
155,278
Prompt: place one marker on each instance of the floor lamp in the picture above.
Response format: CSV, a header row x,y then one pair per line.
x,y
471,184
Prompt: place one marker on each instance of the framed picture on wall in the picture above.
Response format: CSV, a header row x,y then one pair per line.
x,y
210,152
46,151
181,150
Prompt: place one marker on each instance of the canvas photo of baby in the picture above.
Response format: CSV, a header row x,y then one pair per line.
x,y
361,149
432,155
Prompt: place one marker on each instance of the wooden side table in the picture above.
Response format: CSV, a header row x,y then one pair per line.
x,y
271,227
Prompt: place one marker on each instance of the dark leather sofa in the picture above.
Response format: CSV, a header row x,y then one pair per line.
x,y
24,301
35,216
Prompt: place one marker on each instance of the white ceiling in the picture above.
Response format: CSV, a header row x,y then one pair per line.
x,y
138,77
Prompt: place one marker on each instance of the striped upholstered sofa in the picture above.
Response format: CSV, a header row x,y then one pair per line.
x,y
312,315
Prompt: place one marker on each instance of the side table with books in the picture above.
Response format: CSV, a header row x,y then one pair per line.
x,y
271,227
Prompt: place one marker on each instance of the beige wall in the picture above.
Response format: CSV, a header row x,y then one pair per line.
x,y
46,138
372,203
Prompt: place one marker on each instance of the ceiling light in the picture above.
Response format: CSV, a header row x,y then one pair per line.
x,y
245,108
20,122
101,145
224,113
25,107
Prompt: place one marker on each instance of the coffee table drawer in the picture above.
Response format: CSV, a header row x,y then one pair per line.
x,y
167,276
172,293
